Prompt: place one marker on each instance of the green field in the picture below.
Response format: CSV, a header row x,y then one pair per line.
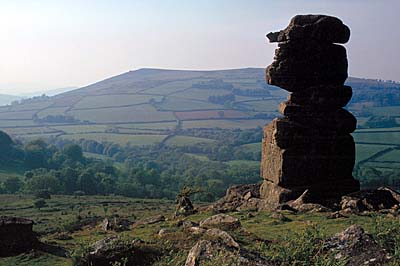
x,y
391,156
114,100
225,124
254,147
186,140
261,106
364,151
151,126
199,94
30,106
180,104
244,162
43,136
30,130
17,115
122,139
72,129
52,111
379,137
139,113
385,111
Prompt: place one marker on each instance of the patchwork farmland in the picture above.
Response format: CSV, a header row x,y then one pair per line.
x,y
153,106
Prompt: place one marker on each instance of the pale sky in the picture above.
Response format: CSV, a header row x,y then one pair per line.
x,y
60,43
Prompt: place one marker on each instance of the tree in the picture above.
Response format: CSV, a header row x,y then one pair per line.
x,y
44,181
28,174
73,152
36,154
12,184
70,179
87,182
5,140
39,204
43,194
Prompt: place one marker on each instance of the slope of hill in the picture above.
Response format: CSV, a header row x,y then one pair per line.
x,y
150,106
8,99
151,100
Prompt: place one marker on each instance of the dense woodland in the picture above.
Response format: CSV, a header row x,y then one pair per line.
x,y
144,172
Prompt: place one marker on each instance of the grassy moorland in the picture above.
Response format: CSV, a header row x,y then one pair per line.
x,y
73,222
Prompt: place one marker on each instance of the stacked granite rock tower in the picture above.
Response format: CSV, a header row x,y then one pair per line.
x,y
311,146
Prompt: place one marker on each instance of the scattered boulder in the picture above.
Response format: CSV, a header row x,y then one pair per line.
x,y
106,251
337,215
222,221
358,247
106,225
238,197
162,232
368,200
16,236
187,224
312,208
279,216
113,249
207,252
184,206
285,207
195,230
394,193
223,236
150,220
115,224
303,204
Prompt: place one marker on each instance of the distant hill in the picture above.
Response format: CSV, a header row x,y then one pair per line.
x,y
50,92
8,99
146,105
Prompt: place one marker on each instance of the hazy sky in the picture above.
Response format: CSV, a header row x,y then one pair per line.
x,y
57,43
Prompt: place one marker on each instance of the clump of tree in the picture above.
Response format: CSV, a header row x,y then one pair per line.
x,y
381,122
222,99
56,119
217,84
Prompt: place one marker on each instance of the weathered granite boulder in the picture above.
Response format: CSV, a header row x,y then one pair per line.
x,y
298,65
184,206
238,198
394,193
357,247
222,221
150,220
291,157
224,237
327,96
369,200
113,249
216,252
323,28
16,236
116,224
337,120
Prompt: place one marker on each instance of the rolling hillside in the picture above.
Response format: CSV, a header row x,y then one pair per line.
x,y
150,106
8,99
